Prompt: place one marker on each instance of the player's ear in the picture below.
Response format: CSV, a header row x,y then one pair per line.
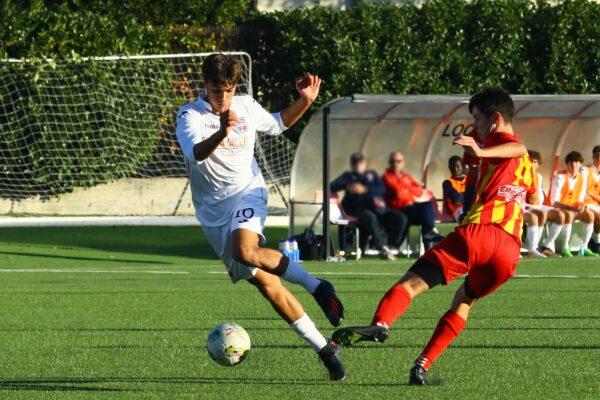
x,y
498,118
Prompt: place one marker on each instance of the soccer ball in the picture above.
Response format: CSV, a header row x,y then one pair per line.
x,y
228,344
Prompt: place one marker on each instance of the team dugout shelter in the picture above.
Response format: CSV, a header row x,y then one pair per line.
x,y
423,128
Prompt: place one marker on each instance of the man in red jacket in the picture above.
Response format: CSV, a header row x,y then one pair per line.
x,y
403,193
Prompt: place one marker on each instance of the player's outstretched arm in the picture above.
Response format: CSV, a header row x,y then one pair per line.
x,y
504,150
206,147
308,86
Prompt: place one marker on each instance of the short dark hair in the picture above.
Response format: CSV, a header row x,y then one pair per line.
x,y
535,155
356,158
574,156
452,161
221,69
596,149
492,100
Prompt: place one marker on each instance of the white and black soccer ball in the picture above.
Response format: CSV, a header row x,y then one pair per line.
x,y
228,344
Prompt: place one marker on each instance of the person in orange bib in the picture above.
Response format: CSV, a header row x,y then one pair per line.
x,y
537,213
453,190
592,197
486,247
568,193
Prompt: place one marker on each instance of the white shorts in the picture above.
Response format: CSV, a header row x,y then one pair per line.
x,y
249,213
540,207
594,207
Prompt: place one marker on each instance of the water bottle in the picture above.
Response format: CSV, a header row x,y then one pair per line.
x,y
295,251
284,247
581,248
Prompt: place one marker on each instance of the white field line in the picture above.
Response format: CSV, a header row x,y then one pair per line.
x,y
93,271
399,274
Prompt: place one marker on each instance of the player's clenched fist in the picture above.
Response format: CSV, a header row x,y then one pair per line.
x,y
229,119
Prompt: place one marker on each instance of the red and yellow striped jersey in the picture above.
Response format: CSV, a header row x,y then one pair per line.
x,y
501,190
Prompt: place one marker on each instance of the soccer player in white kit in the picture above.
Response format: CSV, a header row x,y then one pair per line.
x,y
217,135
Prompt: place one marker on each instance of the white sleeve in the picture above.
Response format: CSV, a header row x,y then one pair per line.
x,y
188,134
266,122
557,185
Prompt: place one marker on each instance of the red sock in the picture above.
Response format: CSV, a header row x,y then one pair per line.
x,y
392,305
449,327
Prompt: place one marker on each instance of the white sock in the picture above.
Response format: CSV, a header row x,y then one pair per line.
x,y
306,329
566,236
597,237
538,237
296,274
531,237
588,230
553,232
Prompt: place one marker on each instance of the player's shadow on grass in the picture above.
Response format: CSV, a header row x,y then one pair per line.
x,y
56,385
84,384
488,347
79,258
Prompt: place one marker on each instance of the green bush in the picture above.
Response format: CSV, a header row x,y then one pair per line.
x,y
446,46
449,46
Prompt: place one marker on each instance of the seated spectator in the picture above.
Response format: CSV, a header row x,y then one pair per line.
x,y
592,198
363,198
536,214
454,191
406,195
567,193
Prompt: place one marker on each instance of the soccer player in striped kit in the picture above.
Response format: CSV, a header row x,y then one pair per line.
x,y
486,247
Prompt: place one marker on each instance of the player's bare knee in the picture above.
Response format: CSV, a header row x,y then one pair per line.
x,y
462,299
413,284
272,290
266,283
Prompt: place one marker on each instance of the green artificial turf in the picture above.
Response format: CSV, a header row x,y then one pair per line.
x,y
123,313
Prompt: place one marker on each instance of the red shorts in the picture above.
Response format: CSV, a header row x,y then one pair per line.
x,y
486,252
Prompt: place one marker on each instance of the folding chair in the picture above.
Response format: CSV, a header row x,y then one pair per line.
x,y
344,222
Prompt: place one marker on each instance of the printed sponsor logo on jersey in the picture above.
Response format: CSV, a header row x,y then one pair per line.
x,y
211,126
512,193
233,143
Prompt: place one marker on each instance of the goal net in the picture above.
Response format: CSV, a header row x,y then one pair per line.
x,y
96,136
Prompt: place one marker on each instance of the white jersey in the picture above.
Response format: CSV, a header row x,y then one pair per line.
x,y
540,189
218,182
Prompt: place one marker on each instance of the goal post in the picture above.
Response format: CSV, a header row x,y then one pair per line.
x,y
96,136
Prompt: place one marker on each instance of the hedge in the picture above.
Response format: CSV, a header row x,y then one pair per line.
x,y
447,46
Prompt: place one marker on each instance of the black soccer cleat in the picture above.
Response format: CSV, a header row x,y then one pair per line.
x,y
418,376
354,334
329,302
330,355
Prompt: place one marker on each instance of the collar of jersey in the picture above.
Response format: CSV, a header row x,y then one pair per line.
x,y
202,100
